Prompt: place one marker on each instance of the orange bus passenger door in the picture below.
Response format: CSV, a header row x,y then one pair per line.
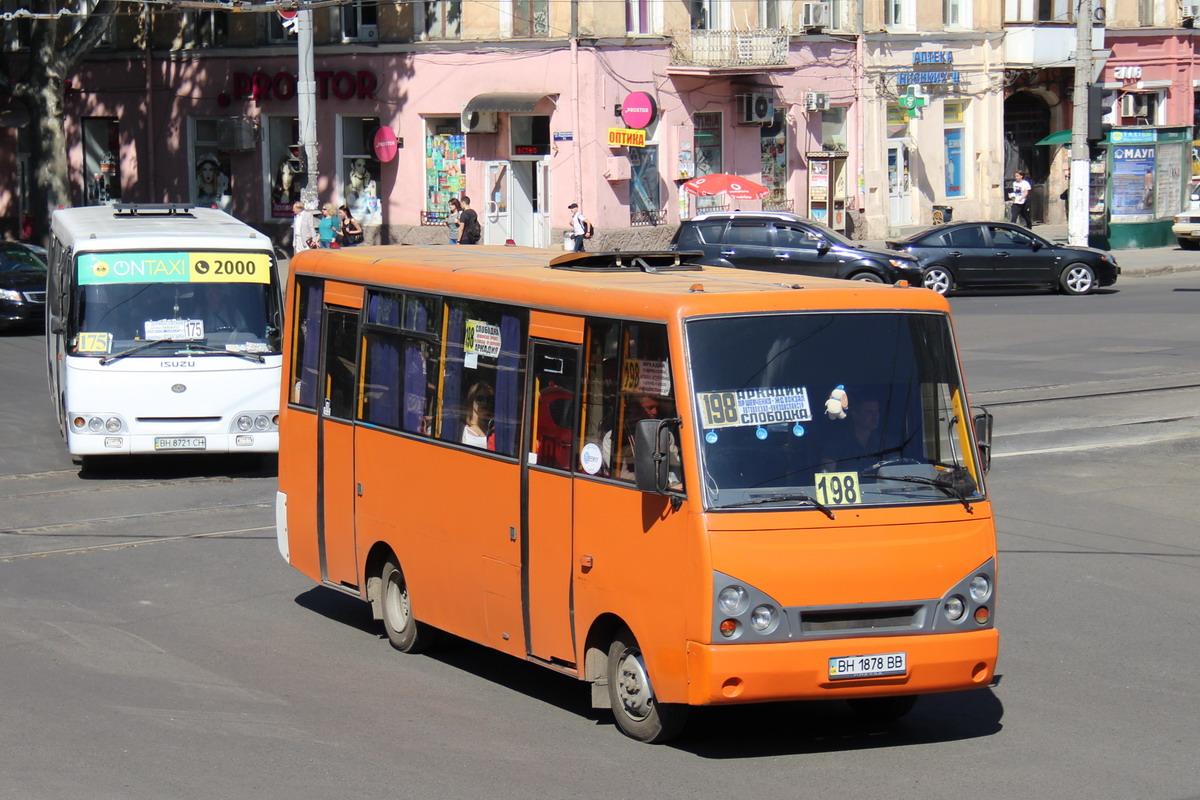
x,y
335,446
547,547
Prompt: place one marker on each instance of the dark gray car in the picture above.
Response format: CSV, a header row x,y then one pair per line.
x,y
965,255
782,242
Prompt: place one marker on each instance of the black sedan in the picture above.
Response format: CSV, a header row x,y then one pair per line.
x,y
22,287
994,254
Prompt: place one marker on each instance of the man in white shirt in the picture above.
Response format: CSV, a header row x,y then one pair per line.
x,y
304,230
1021,187
578,226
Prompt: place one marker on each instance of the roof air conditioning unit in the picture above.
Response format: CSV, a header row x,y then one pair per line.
x,y
479,121
757,109
816,101
236,134
814,15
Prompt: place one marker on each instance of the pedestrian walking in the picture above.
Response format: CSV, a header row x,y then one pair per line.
x,y
579,226
1019,195
452,219
304,230
468,223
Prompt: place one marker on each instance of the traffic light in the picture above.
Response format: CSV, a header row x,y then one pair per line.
x,y
1097,129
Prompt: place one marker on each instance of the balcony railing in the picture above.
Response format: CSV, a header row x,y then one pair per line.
x,y
761,48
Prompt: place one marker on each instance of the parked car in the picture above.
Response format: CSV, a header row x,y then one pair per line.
x,y
782,242
1187,223
22,286
992,254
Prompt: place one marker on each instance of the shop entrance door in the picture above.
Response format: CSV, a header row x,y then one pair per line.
x,y
899,185
497,221
524,197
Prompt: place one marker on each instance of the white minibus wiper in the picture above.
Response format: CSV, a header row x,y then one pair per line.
x,y
212,348
782,497
132,350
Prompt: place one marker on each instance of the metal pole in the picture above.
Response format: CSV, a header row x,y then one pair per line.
x,y
306,95
1077,199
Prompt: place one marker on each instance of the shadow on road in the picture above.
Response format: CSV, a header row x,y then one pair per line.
x,y
168,467
767,729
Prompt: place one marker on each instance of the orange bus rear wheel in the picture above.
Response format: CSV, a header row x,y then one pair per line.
x,y
635,708
403,630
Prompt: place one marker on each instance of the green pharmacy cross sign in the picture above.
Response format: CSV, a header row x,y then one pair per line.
x,y
912,101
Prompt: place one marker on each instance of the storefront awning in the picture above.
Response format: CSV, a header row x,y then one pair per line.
x,y
1059,137
504,101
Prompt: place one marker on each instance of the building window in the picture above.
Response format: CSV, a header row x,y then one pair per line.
x,y
833,129
773,150
707,15
645,188
637,16
16,32
956,14
1140,108
1145,11
360,169
1026,11
210,172
286,162
101,167
439,19
769,14
530,18
708,153
445,164
358,21
837,14
898,13
206,28
276,33
954,115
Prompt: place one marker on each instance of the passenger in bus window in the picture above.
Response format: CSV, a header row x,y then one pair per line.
x,y
477,423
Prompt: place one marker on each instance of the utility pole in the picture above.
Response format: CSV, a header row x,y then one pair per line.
x,y
306,96
1077,199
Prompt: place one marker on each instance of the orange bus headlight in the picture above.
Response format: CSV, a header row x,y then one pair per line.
x,y
764,618
981,588
732,599
954,608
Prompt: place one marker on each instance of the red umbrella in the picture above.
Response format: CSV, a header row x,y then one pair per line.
x,y
732,185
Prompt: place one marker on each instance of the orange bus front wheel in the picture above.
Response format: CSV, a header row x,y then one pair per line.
x,y
403,630
631,695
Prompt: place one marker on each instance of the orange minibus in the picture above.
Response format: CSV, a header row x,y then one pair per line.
x,y
685,485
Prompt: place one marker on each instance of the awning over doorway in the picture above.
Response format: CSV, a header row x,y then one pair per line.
x,y
1058,137
504,101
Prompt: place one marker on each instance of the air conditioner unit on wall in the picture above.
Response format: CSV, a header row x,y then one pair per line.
x,y
814,15
757,108
479,121
816,101
1135,105
1191,10
236,134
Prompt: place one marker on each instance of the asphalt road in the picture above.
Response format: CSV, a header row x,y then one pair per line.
x,y
153,644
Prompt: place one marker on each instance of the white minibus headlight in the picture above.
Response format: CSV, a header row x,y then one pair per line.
x,y
112,424
954,608
763,618
981,587
732,599
95,424
261,422
244,423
